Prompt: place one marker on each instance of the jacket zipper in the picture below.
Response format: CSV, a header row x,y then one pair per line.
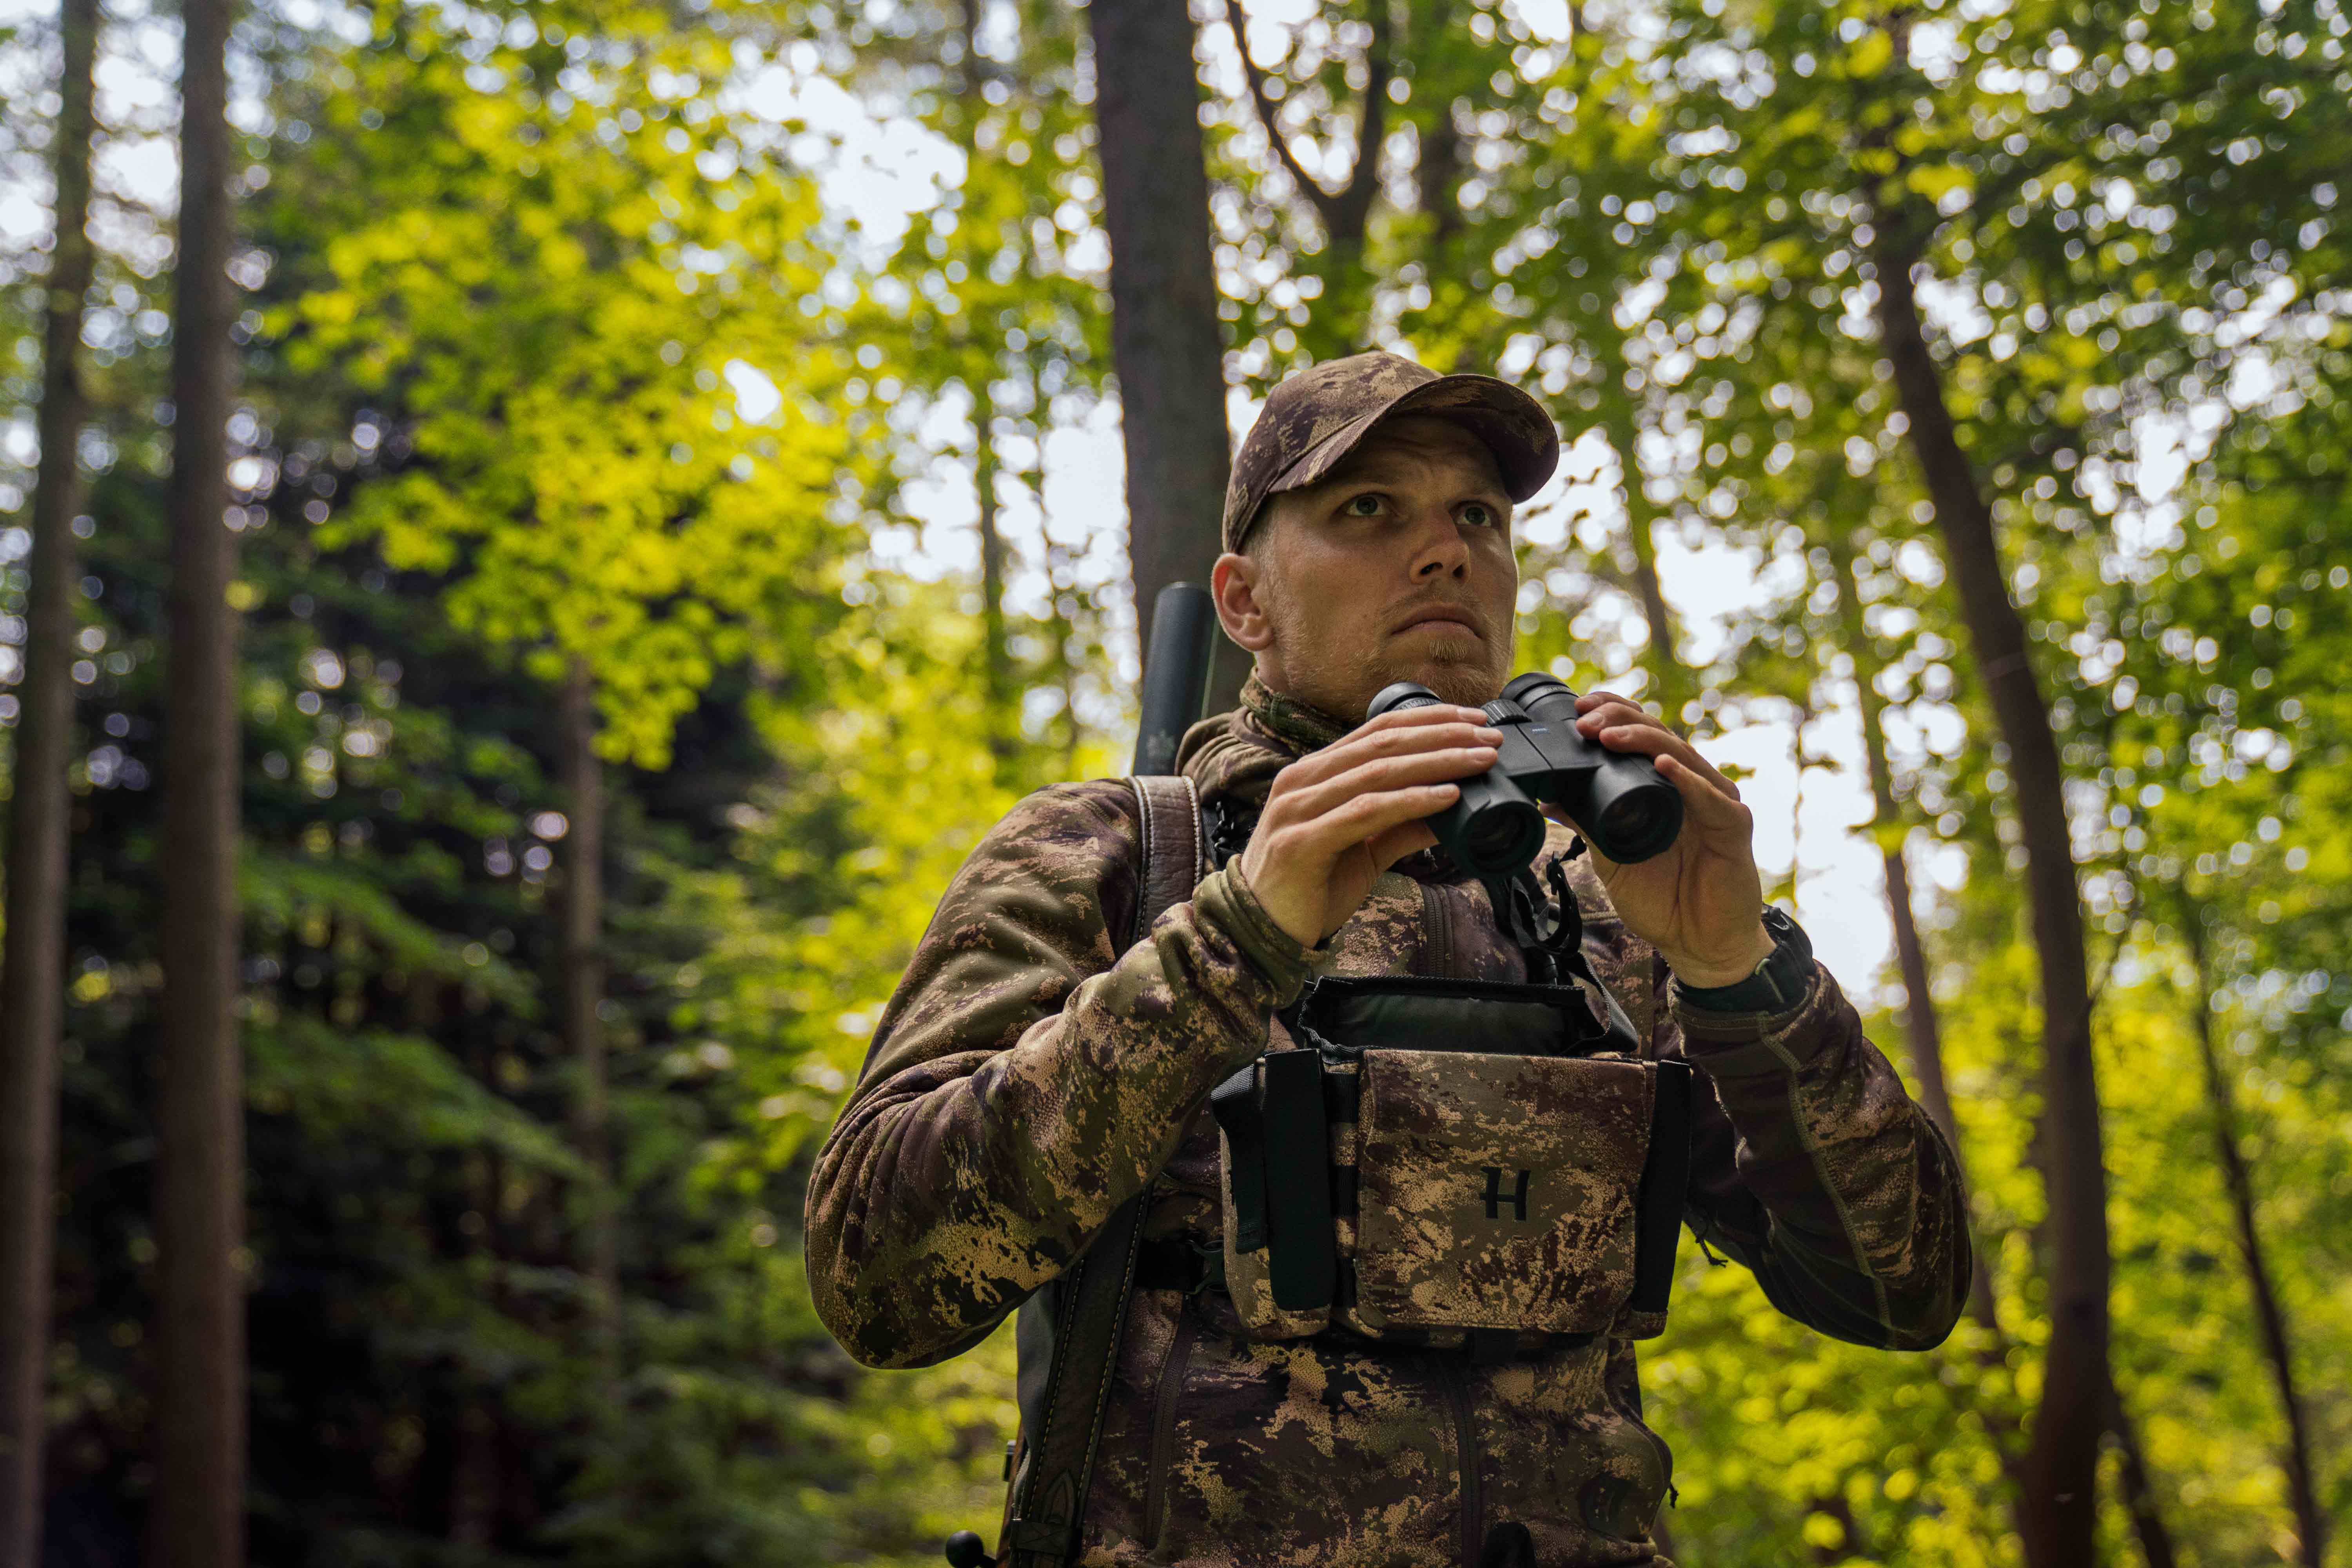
x,y
1164,1428
1465,1442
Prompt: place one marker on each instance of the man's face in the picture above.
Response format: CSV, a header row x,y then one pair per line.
x,y
1395,566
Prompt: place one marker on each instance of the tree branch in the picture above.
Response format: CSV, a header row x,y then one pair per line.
x,y
1344,212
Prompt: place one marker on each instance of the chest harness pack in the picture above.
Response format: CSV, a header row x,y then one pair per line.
x,y
1443,1163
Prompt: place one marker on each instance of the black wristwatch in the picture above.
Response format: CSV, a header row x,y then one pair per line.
x,y
1777,984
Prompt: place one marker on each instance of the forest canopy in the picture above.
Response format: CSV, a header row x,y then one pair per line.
x,y
669,506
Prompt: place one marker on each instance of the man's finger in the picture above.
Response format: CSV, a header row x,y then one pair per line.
x,y
1384,773
1390,735
1703,798
1618,715
1368,816
1646,737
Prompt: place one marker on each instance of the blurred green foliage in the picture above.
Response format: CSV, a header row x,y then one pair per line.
x,y
558,352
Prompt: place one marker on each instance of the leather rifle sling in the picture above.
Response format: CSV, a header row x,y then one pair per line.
x,y
1050,1488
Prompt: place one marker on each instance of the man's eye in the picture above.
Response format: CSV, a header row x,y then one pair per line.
x,y
1362,506
1479,514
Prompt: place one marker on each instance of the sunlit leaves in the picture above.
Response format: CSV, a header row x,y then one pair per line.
x,y
615,438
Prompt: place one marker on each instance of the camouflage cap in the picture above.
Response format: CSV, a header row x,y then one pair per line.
x,y
1314,419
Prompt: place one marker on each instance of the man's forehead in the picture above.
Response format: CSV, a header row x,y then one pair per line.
x,y
1401,445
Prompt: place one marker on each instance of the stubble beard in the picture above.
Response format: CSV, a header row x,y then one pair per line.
x,y
1470,682
1342,681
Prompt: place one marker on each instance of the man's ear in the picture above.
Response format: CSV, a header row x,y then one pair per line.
x,y
1235,581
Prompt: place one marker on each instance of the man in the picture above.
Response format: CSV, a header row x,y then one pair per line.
x,y
1028,1078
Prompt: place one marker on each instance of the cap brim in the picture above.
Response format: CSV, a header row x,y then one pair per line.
x,y
1517,430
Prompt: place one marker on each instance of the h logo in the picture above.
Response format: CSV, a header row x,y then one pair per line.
x,y
1496,1200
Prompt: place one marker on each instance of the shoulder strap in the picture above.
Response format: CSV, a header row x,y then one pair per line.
x,y
1171,804
1087,1306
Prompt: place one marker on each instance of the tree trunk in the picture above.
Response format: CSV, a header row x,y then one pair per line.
x,y
32,965
1850,1543
474,1473
1061,578
2278,1345
198,1514
581,962
1166,342
1437,173
473,1494
996,654
1803,717
1669,685
2058,1478
1920,1026
2139,1497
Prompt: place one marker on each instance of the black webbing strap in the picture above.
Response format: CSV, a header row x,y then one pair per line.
x,y
1301,1268
1087,1305
1666,1180
1561,951
1242,1118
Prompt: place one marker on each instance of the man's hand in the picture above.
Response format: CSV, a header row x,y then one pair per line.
x,y
1339,817
1699,901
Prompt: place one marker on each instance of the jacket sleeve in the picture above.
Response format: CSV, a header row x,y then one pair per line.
x,y
1027,1078
1812,1166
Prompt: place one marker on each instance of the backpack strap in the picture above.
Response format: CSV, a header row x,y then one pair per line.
x,y
1085,1311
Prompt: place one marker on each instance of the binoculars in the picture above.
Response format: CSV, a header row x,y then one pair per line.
x,y
1494,829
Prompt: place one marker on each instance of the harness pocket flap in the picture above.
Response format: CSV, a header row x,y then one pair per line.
x,y
1499,1191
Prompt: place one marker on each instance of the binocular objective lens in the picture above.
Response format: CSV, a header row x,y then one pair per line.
x,y
1502,838
1637,818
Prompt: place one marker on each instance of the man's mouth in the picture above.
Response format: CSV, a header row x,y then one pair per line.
x,y
1440,614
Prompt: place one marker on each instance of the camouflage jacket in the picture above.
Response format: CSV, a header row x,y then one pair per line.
x,y
1027,1078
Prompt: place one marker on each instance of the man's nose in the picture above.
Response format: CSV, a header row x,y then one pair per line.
x,y
1439,549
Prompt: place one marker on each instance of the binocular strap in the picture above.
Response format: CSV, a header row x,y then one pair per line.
x,y
1551,936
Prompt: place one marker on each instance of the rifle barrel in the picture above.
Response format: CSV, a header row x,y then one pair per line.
x,y
1175,673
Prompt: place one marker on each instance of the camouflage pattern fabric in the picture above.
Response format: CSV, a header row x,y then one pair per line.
x,y
1547,1244
1314,418
1026,1079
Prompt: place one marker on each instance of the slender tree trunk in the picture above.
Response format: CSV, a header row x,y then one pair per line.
x,y
1166,342
1669,682
32,966
473,1497
1804,716
1921,1027
1065,668
1850,1543
2278,1344
996,651
2058,1478
1437,174
996,656
198,1514
580,960
2139,1497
